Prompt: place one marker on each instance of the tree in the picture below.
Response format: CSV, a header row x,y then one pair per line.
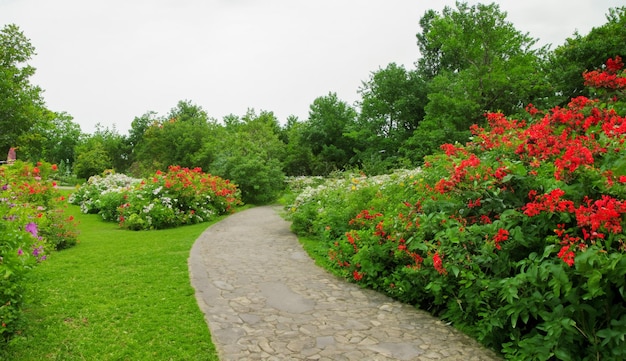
x,y
249,154
92,159
21,104
392,106
177,139
325,130
298,159
52,139
581,53
477,62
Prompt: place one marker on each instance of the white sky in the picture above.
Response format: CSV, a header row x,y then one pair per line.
x,y
108,61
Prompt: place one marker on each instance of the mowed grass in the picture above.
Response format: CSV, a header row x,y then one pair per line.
x,y
117,295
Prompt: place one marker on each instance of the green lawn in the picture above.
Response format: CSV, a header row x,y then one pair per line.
x,y
117,295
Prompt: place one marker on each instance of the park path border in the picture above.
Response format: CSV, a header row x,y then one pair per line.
x,y
264,299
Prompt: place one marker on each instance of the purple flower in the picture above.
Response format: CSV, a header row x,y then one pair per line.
x,y
38,252
31,228
5,187
20,252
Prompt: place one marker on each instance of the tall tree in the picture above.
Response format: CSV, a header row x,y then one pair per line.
x,y
21,104
250,154
580,53
104,149
392,105
298,159
478,62
325,130
52,139
176,139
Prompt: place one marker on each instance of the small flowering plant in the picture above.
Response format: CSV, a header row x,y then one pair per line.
x,y
167,199
32,223
515,237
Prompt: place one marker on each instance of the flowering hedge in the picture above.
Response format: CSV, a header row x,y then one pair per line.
x,y
516,237
177,197
32,223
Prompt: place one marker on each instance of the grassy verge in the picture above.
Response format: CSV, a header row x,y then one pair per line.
x,y
118,295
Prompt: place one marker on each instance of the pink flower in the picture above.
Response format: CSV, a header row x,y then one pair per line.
x,y
31,228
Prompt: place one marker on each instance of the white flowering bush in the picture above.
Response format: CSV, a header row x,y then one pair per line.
x,y
323,207
177,197
99,192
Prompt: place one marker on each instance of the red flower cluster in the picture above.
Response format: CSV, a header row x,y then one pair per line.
x,y
438,263
610,78
361,220
603,214
502,236
550,202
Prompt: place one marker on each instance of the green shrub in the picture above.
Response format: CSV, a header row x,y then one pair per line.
x,y
260,181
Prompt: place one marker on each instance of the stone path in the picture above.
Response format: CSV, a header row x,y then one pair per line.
x,y
265,299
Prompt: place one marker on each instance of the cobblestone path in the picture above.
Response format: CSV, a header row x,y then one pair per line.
x,y
265,299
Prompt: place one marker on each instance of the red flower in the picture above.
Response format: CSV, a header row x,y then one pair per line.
x,y
502,236
566,255
54,167
614,65
438,263
357,275
473,203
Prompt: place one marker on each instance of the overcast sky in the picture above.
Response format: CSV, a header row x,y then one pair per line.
x,y
109,61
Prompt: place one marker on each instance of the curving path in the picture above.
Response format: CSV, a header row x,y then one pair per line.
x,y
265,299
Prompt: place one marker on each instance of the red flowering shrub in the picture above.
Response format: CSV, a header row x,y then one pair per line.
x,y
515,237
32,223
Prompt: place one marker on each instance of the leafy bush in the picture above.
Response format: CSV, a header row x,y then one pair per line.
x,y
515,237
32,223
177,197
260,180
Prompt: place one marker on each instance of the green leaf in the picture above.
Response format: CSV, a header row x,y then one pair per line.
x,y
455,270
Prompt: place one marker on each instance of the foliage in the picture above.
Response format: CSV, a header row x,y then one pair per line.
x,y
583,52
177,138
324,207
392,106
298,159
474,61
250,154
515,238
174,198
32,224
92,159
21,104
325,132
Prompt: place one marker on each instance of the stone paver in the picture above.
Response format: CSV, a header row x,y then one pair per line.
x,y
265,299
